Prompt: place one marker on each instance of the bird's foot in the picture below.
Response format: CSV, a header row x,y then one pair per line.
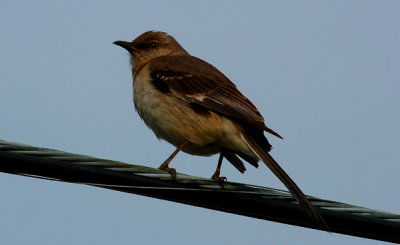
x,y
216,177
169,170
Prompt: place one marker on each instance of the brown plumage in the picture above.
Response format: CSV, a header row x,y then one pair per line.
x,y
195,107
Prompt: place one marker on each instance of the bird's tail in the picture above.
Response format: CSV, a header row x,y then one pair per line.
x,y
282,176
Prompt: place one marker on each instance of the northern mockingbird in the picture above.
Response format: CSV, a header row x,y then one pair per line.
x,y
192,105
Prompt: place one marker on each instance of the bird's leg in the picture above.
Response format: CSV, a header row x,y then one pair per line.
x,y
164,166
217,172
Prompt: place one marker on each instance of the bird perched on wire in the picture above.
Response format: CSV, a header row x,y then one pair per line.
x,y
192,105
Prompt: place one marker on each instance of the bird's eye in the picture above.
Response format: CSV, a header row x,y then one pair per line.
x,y
154,44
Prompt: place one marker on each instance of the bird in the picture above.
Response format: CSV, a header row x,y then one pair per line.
x,y
195,107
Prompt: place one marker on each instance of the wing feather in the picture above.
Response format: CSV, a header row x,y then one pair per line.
x,y
200,83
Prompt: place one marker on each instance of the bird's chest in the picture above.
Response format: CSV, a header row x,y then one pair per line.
x,y
159,111
171,118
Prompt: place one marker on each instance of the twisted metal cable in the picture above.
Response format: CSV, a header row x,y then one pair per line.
x,y
249,200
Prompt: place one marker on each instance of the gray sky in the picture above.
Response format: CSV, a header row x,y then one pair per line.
x,y
325,75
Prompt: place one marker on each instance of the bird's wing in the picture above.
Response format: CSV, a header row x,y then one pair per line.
x,y
202,84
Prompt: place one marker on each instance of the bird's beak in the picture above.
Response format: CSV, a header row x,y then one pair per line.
x,y
126,45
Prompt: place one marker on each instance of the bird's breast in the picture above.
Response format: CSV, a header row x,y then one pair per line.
x,y
176,120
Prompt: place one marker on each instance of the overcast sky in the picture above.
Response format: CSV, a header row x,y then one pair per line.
x,y
325,75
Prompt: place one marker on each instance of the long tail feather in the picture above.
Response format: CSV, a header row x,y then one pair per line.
x,y
286,180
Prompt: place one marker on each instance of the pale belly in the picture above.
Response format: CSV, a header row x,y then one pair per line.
x,y
173,120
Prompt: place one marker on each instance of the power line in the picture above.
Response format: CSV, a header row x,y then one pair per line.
x,y
243,199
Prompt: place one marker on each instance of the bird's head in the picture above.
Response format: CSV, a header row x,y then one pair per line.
x,y
150,45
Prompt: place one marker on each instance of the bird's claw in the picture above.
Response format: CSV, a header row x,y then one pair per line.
x,y
169,170
218,178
